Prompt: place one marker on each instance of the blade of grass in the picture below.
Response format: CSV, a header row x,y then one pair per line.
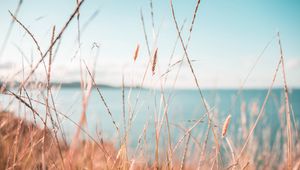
x,y
287,109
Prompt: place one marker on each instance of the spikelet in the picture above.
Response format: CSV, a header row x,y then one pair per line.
x,y
154,62
136,53
225,126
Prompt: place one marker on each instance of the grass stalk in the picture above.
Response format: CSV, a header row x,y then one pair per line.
x,y
287,110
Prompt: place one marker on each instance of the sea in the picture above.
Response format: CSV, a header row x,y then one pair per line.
x,y
113,112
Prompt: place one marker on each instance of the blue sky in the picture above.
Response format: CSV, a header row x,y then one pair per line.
x,y
228,36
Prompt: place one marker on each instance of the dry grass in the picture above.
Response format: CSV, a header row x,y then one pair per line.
x,y
154,62
25,145
22,144
226,124
136,53
28,145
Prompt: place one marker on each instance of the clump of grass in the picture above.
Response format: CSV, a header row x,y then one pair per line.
x,y
22,147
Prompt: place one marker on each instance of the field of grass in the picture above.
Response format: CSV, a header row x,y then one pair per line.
x,y
26,144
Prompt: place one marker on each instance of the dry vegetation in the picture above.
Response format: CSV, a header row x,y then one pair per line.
x,y
31,145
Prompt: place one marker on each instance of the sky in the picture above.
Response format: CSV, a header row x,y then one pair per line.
x,y
227,39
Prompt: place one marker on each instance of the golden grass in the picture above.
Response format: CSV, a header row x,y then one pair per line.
x,y
21,147
26,145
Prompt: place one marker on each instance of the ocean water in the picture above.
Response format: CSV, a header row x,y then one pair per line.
x,y
184,108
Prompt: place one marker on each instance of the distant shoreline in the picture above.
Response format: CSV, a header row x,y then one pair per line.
x,y
78,85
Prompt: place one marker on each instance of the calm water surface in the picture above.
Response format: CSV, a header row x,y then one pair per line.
x,y
184,108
